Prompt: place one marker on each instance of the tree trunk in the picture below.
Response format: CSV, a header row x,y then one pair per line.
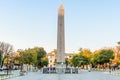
x,y
2,62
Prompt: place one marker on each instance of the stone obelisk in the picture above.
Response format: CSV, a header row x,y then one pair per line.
x,y
60,38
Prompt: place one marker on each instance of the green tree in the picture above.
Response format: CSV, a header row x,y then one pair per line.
x,y
75,60
29,58
35,56
44,61
87,54
118,43
93,60
82,60
40,54
79,60
17,60
101,57
104,56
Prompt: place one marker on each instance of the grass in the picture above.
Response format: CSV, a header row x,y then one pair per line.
x,y
5,74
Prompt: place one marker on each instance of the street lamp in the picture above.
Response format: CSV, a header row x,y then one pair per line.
x,y
7,64
21,66
110,66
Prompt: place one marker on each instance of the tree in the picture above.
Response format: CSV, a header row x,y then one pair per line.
x,y
93,59
101,57
118,43
35,56
28,56
40,54
82,60
7,49
104,56
75,60
80,49
17,60
86,53
44,61
79,60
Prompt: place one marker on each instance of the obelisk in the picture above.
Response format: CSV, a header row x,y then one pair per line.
x,y
60,38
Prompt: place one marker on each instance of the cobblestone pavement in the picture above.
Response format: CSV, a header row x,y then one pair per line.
x,y
83,75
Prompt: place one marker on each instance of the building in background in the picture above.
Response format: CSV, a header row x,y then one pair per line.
x,y
52,58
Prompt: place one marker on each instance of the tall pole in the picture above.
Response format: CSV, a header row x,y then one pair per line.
x,y
21,64
7,64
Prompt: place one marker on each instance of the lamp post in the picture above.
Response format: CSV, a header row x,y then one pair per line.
x,y
110,66
7,64
21,65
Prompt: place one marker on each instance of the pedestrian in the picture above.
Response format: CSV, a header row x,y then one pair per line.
x,y
89,68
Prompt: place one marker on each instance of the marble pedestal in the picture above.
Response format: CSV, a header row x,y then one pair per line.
x,y
60,67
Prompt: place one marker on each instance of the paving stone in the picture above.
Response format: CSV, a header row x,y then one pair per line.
x,y
83,75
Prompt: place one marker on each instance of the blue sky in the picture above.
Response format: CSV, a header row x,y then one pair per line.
x,y
91,24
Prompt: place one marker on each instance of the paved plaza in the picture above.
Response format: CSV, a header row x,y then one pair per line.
x,y
83,75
